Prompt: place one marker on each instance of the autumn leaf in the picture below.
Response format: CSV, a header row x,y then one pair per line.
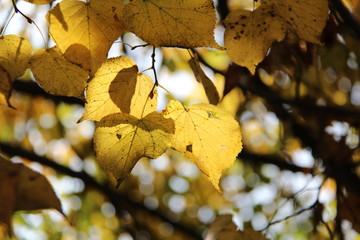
x,y
56,75
250,34
15,53
305,18
23,189
223,228
121,140
118,87
85,31
210,89
207,135
39,1
5,87
177,23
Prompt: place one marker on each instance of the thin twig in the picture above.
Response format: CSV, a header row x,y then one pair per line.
x,y
29,20
153,66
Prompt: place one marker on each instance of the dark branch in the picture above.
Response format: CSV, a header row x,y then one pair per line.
x,y
120,201
282,164
31,88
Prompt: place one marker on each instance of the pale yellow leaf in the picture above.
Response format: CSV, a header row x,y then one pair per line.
x,y
306,18
207,135
5,87
121,140
56,75
249,35
118,87
223,228
39,1
232,101
15,53
209,87
23,189
176,23
85,31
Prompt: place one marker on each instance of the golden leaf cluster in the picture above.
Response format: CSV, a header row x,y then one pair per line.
x,y
123,101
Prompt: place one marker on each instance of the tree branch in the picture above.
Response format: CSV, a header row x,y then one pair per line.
x,y
119,200
283,165
33,89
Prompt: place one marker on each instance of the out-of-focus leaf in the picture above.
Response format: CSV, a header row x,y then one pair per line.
x,y
223,228
23,189
210,89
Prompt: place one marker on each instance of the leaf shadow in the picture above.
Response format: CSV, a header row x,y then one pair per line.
x,y
122,88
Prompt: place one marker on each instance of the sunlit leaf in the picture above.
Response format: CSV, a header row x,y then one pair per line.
x,y
15,53
207,135
56,75
249,35
121,140
118,87
39,1
23,189
85,31
210,89
5,87
178,23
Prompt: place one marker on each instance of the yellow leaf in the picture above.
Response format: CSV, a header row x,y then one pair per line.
x,y
223,228
121,140
176,23
207,135
15,53
232,101
249,35
39,1
23,189
85,31
56,75
5,87
306,18
210,89
118,87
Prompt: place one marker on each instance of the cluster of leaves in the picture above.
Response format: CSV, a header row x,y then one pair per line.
x,y
123,101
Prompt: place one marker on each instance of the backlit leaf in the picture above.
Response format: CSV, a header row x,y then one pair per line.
x,y
249,35
15,53
207,135
306,18
118,87
85,31
121,140
210,89
23,189
5,87
177,23
56,75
